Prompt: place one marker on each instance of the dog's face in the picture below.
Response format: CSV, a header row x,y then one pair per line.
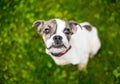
x,y
56,33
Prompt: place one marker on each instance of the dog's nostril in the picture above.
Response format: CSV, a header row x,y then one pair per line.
x,y
58,38
57,42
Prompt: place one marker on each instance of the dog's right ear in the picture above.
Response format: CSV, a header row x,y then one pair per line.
x,y
38,24
73,25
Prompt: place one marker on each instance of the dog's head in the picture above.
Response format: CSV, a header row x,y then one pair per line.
x,y
56,33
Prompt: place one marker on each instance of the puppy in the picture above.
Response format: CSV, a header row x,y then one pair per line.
x,y
69,42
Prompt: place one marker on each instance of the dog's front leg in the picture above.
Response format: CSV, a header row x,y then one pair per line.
x,y
82,65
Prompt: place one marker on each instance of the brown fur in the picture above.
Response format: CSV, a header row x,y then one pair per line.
x,y
88,27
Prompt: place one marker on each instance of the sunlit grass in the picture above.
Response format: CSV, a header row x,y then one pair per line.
x,y
22,51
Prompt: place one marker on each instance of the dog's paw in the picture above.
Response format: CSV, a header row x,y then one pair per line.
x,y
81,67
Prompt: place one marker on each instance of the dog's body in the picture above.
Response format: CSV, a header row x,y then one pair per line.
x,y
69,42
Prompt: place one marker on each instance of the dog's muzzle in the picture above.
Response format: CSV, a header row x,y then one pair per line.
x,y
58,43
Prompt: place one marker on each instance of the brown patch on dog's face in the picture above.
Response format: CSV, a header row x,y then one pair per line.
x,y
49,28
88,27
68,31
46,28
71,28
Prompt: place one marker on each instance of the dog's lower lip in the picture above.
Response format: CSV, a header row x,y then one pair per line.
x,y
57,46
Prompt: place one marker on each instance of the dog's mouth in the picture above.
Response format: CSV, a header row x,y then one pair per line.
x,y
57,46
61,53
58,50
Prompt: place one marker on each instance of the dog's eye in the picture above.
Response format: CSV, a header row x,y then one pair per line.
x,y
67,31
47,31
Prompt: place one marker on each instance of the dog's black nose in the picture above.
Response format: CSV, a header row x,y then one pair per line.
x,y
57,38
58,41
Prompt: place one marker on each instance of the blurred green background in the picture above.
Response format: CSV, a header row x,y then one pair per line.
x,y
22,51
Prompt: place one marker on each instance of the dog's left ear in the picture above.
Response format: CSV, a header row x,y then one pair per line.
x,y
73,25
38,24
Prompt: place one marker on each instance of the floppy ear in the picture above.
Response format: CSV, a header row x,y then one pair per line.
x,y
38,24
73,25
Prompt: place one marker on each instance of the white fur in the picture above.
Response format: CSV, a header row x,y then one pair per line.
x,y
83,44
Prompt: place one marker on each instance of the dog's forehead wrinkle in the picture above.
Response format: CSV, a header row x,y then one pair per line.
x,y
60,25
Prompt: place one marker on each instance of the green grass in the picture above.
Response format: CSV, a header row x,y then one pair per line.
x,y
22,51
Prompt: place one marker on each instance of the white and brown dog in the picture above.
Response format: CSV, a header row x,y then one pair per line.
x,y
69,42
